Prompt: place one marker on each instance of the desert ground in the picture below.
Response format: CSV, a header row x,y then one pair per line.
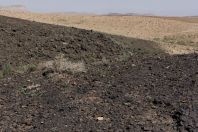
x,y
72,72
177,35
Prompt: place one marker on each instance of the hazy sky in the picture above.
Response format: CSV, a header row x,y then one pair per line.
x,y
158,7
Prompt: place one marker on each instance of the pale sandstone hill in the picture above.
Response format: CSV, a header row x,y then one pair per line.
x,y
159,29
18,8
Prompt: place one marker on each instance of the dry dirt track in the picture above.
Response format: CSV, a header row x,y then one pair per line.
x,y
137,92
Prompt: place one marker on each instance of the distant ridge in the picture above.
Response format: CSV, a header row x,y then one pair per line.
x,y
128,14
13,8
72,13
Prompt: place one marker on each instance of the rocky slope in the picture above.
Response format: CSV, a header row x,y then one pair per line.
x,y
55,78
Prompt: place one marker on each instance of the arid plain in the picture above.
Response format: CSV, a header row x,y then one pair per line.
x,y
176,35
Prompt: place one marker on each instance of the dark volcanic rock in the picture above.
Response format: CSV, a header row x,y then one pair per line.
x,y
142,93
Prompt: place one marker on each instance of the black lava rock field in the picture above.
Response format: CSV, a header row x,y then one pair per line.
x,y
55,78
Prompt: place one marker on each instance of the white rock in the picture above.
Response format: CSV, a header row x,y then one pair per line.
x,y
100,118
133,65
65,43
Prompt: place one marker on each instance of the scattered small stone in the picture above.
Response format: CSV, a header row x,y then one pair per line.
x,y
100,118
24,106
133,65
127,104
65,43
147,128
33,86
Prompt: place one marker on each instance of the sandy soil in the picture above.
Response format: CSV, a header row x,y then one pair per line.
x,y
130,26
149,28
